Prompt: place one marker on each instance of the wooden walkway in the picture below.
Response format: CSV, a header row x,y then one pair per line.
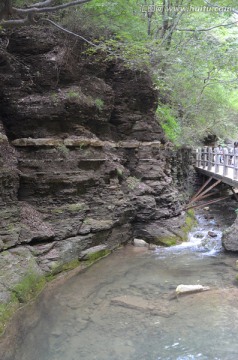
x,y
220,167
208,162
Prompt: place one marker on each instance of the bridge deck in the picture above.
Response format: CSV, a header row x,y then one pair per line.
x,y
218,164
227,179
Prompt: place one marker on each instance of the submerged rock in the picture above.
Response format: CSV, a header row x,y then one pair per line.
x,y
154,307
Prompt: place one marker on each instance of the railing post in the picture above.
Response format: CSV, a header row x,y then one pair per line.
x,y
198,157
225,161
235,169
209,166
204,157
217,160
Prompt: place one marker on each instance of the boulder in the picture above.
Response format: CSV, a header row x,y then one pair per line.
x,y
230,237
140,243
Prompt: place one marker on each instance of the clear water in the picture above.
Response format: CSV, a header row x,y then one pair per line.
x,y
124,308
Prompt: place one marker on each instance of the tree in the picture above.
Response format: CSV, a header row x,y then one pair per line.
x,y
192,54
30,13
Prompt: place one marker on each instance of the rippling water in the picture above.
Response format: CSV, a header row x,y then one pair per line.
x,y
124,308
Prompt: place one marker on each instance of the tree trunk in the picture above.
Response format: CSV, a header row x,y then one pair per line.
x,y
6,9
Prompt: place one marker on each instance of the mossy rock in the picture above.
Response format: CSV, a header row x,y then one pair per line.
x,y
190,222
167,240
70,208
67,266
98,255
175,237
29,287
32,284
6,312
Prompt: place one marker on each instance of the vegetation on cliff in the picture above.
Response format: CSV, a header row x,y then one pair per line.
x,y
189,45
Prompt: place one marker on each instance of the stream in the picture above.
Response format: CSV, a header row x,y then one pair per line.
x,y
124,307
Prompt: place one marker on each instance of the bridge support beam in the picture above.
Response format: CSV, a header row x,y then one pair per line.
x,y
204,192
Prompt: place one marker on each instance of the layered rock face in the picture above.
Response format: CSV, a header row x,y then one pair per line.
x,y
83,160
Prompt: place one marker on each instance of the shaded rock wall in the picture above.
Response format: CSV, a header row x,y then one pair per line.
x,y
83,160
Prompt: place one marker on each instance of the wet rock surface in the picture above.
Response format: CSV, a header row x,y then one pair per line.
x,y
230,237
83,160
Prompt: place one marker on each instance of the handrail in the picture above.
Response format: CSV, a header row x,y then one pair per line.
x,y
218,161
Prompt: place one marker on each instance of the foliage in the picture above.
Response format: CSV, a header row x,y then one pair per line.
x,y
132,182
63,149
73,94
168,122
99,103
190,47
195,71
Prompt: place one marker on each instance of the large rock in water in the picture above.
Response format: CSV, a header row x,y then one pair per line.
x,y
230,237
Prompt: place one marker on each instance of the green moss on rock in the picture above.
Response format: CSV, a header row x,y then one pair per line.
x,y
32,284
29,287
71,265
6,312
167,240
97,255
176,237
190,222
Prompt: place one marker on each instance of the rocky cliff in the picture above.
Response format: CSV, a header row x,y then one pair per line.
x,y
83,160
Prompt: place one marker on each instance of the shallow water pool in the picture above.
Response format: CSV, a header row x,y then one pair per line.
x,y
124,307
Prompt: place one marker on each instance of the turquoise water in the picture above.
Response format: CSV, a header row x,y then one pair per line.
x,y
124,308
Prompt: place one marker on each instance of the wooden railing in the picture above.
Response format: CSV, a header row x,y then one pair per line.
x,y
223,162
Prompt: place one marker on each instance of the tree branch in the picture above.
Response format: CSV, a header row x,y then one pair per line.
x,y
68,31
16,22
41,4
211,28
48,9
220,7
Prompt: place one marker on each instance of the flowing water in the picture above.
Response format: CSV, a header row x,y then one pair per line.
x,y
124,307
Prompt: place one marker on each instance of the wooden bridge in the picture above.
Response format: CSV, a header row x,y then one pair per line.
x,y
220,166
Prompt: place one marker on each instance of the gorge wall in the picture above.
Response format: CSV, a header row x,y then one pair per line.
x,y
83,160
